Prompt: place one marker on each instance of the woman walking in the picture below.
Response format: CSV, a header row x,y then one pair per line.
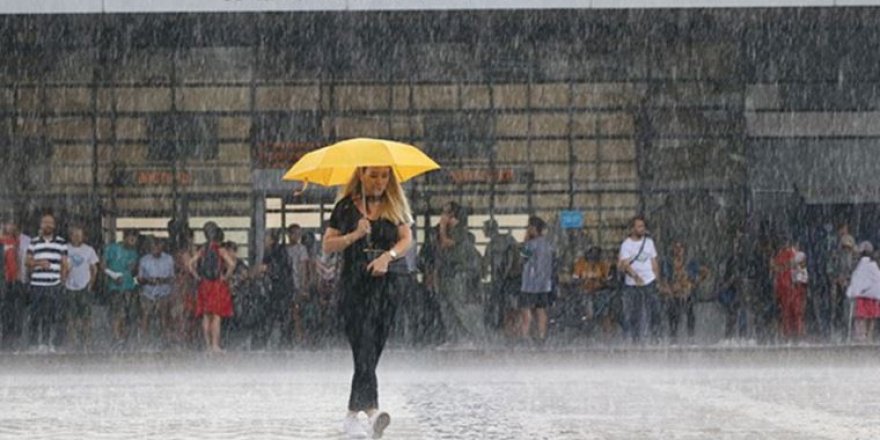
x,y
370,225
213,267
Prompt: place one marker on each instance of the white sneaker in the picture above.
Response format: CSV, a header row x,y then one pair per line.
x,y
378,423
354,428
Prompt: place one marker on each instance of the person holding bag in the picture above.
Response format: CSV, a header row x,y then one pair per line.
x,y
370,226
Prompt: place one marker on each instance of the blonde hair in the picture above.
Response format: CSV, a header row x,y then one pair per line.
x,y
394,207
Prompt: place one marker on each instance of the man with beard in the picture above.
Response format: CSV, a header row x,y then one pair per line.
x,y
638,262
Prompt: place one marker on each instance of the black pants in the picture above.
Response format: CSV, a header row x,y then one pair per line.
x,y
47,315
368,309
278,309
641,312
837,314
12,310
675,308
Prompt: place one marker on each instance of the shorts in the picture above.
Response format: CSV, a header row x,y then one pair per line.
x,y
79,304
124,305
151,305
867,308
535,300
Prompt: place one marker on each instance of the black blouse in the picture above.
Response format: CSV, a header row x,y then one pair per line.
x,y
384,236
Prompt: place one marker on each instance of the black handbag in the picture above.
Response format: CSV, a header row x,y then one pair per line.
x,y
397,265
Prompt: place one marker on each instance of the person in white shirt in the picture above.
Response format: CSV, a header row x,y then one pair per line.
x,y
80,286
156,272
864,291
638,262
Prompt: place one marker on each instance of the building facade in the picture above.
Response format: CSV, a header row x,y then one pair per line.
x,y
709,121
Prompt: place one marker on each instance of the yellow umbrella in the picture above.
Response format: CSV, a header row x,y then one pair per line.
x,y
335,164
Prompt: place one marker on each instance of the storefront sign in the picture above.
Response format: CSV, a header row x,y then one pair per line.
x,y
481,175
571,219
282,155
159,177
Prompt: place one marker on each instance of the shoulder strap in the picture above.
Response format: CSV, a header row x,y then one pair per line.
x,y
641,249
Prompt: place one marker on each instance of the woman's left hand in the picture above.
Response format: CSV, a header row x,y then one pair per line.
x,y
379,266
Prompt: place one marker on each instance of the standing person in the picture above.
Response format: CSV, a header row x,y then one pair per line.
x,y
183,291
764,305
309,308
120,261
454,276
638,262
731,291
277,272
80,287
213,267
16,279
680,277
156,275
239,286
864,289
594,275
536,291
326,292
790,295
47,261
840,268
502,263
370,225
298,258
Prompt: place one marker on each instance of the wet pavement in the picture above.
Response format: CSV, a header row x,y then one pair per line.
x,y
780,393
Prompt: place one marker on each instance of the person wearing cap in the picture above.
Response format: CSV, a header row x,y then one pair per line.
x,y
790,293
864,289
840,267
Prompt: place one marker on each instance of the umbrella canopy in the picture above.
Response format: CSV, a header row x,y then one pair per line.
x,y
335,164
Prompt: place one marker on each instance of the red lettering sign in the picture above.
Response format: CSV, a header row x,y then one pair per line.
x,y
158,177
481,175
282,155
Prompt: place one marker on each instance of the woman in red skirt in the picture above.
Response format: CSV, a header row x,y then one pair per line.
x,y
864,288
213,266
790,295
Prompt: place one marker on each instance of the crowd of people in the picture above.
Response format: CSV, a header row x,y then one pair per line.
x,y
161,293
773,294
169,293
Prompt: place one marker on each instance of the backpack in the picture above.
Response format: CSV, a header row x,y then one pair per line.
x,y
209,264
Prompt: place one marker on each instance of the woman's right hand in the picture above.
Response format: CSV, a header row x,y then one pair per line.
x,y
363,228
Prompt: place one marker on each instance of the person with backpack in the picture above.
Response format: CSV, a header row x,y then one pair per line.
x,y
277,272
213,267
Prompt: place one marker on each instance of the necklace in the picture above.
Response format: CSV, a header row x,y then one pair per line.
x,y
373,199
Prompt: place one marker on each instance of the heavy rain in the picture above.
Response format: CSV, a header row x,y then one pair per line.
x,y
416,220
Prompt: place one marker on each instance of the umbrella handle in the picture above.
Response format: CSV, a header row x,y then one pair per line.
x,y
301,191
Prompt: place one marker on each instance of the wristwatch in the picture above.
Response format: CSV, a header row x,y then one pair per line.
x,y
393,254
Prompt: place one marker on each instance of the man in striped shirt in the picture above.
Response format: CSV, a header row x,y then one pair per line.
x,y
47,261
